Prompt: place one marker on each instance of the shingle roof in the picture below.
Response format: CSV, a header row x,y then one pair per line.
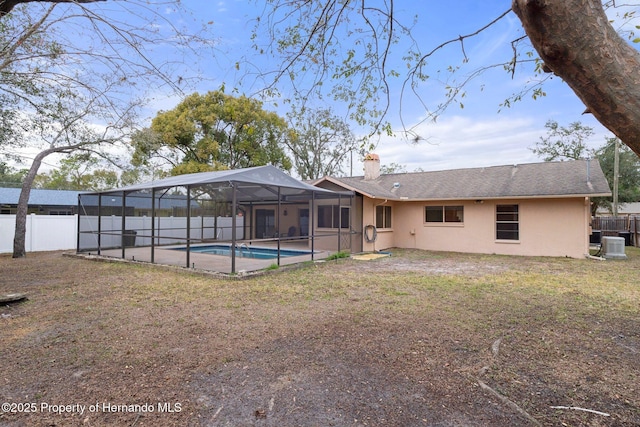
x,y
548,179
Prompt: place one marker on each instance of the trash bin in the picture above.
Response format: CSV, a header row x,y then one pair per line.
x,y
627,237
596,237
129,238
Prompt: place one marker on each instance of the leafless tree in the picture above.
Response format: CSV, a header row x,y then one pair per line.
x,y
350,45
75,73
321,144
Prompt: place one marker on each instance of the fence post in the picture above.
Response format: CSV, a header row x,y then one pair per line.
x,y
30,242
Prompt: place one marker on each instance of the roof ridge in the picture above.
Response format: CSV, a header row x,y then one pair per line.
x,y
539,179
468,168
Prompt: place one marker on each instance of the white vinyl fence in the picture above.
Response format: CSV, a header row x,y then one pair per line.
x,y
44,232
50,232
168,230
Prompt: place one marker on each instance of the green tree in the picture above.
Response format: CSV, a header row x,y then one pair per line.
x,y
214,131
10,176
80,171
628,173
564,143
351,43
321,143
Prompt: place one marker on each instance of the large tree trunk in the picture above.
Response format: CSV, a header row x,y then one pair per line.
x,y
23,201
19,250
7,6
577,43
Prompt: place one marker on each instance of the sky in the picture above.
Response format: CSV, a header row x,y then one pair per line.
x,y
480,133
476,134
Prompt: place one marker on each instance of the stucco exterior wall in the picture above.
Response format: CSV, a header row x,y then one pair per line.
x,y
335,238
326,238
548,227
386,237
290,219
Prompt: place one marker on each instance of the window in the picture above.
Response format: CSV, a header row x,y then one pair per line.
x,y
454,214
345,215
333,216
383,216
444,214
325,216
434,214
507,222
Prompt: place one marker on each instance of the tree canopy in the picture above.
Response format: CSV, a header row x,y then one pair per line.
x,y
564,143
84,171
569,143
10,176
628,173
214,131
321,143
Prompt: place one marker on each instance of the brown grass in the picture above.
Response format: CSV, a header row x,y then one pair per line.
x,y
419,338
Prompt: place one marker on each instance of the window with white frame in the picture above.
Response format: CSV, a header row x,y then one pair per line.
x,y
444,214
507,222
383,216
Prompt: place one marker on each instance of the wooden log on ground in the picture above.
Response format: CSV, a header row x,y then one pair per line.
x,y
8,298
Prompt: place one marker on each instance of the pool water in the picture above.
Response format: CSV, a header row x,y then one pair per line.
x,y
255,252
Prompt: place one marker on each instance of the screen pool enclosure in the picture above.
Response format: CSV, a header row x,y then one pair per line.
x,y
261,212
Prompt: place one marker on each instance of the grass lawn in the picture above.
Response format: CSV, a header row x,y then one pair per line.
x,y
416,339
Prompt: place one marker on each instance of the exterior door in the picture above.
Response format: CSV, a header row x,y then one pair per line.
x,y
303,220
265,223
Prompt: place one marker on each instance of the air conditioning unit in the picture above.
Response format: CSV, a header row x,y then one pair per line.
x,y
613,247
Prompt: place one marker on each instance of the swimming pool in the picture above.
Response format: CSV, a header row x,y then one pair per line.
x,y
255,252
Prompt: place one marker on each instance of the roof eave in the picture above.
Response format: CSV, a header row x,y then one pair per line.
x,y
346,186
473,198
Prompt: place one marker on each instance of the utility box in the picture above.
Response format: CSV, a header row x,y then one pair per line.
x,y
613,247
626,235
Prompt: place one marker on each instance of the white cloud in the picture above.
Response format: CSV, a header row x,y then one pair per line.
x,y
463,142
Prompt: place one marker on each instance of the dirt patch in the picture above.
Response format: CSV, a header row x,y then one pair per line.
x,y
416,339
408,260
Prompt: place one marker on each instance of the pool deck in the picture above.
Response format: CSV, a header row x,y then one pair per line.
x,y
219,263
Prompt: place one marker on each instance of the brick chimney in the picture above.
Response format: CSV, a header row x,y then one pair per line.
x,y
371,166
